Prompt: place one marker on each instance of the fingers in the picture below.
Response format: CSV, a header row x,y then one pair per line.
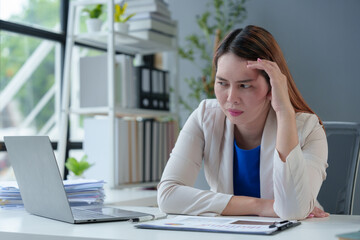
x,y
271,68
318,213
263,64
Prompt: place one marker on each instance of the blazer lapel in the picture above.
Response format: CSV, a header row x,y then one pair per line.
x,y
268,143
225,176
214,149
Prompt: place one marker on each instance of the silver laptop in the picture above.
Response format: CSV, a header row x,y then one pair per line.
x,y
41,186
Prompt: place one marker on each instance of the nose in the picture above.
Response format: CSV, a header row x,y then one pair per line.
x,y
233,95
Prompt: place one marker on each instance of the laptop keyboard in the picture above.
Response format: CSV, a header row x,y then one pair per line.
x,y
82,214
96,212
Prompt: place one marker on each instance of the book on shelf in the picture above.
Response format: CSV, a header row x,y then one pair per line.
x,y
134,151
145,2
140,152
154,88
161,144
155,36
93,82
148,6
147,155
152,15
123,155
128,83
93,76
168,28
154,175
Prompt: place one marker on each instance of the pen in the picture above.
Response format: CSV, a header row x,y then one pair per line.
x,y
281,225
284,226
143,218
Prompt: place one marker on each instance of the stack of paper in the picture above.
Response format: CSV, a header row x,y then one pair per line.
x,y
79,192
10,195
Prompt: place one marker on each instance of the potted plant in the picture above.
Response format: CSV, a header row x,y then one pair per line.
x,y
93,24
77,168
120,21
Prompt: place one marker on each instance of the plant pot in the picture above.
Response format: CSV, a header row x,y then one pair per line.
x,y
93,24
121,27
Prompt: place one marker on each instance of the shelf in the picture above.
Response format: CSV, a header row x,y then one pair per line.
x,y
124,43
123,112
92,2
117,43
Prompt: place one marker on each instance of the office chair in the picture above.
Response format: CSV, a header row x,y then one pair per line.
x,y
340,192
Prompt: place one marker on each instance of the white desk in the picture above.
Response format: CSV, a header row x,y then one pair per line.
x,y
18,224
131,197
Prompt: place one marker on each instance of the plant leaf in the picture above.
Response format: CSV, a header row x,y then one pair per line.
x,y
72,165
128,17
76,167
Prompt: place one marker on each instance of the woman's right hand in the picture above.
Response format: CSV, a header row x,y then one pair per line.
x,y
243,205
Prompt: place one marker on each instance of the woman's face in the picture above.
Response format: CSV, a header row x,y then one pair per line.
x,y
242,93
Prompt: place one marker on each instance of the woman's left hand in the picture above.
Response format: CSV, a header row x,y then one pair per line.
x,y
279,95
318,213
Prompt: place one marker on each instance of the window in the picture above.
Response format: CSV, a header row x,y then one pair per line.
x,y
29,85
44,14
32,41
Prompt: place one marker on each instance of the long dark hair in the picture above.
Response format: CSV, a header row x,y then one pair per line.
x,y
254,42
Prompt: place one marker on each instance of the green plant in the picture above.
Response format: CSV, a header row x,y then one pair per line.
x,y
120,12
201,46
78,167
94,12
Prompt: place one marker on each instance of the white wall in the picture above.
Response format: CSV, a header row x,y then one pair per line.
x,y
320,40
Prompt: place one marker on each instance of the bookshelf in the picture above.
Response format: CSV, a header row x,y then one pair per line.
x,y
113,42
122,43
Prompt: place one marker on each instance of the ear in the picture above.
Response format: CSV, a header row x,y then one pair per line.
x,y
269,94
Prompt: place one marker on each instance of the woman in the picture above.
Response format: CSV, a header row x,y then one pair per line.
x,y
264,150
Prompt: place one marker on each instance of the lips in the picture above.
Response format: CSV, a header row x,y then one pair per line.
x,y
234,112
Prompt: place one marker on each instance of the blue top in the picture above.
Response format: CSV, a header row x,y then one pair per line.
x,y
246,172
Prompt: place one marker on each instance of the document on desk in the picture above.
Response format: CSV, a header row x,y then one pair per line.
x,y
79,192
219,224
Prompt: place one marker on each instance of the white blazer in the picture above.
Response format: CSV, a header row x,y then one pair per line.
x,y
209,136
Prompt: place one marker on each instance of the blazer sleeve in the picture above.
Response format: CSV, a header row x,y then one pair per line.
x,y
176,193
297,182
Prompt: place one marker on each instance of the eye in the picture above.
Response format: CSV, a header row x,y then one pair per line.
x,y
245,86
222,84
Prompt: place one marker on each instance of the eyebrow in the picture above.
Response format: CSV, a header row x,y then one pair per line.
x,y
239,81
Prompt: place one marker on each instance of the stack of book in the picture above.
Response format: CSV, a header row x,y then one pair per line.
x,y
79,192
152,21
144,148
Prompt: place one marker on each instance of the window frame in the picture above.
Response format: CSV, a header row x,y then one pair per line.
x,y
58,37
